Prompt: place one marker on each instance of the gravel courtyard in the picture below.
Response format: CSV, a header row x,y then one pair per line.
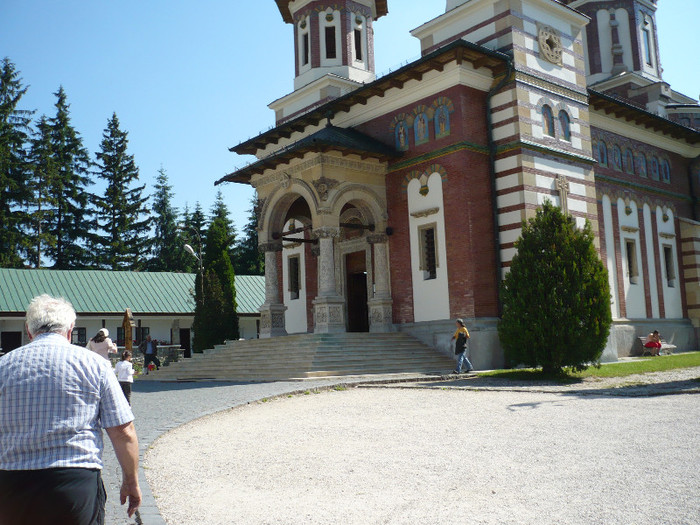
x,y
435,456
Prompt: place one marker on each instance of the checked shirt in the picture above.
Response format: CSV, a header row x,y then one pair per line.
x,y
55,398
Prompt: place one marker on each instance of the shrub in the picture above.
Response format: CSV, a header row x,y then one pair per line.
x,y
556,297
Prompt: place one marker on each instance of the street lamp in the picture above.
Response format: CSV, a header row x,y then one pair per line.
x,y
198,256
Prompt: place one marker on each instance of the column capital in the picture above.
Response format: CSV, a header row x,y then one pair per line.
x,y
274,246
377,238
326,232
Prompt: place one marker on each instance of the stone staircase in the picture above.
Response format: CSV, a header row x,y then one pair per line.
x,y
308,356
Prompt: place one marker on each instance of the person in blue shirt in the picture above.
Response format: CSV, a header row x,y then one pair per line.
x,y
55,399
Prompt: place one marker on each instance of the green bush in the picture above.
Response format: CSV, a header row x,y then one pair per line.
x,y
556,297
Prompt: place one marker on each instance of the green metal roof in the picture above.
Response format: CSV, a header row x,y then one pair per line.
x,y
97,291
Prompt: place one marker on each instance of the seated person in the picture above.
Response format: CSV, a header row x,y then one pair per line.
x,y
653,343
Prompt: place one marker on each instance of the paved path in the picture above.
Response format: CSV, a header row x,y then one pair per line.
x,y
160,407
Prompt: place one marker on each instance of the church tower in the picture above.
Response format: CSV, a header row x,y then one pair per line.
x,y
333,50
621,38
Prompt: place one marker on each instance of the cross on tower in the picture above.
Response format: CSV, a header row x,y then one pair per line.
x,y
563,188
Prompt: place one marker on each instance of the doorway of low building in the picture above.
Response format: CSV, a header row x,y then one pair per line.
x,y
10,340
185,341
356,292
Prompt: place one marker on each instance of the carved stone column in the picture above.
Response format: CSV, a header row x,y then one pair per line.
x,y
329,307
380,305
272,310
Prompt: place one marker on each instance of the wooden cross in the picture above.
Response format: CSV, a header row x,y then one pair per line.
x,y
563,188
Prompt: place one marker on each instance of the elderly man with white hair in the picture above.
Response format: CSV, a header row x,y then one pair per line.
x,y
55,398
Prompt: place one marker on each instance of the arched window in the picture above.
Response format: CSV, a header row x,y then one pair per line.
x,y
602,153
665,171
629,161
617,158
565,123
548,118
654,168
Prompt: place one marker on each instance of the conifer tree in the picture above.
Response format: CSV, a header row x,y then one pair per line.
x,y
220,211
42,203
193,233
215,313
122,218
14,169
249,260
168,243
556,297
70,222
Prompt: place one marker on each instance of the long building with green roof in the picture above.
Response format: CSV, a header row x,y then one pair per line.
x,y
162,303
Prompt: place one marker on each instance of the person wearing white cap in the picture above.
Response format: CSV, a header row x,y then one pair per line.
x,y
101,344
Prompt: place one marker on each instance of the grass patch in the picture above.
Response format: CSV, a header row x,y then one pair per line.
x,y
643,365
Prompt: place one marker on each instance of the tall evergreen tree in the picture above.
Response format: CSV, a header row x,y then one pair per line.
x,y
215,317
220,211
193,233
70,222
168,253
42,203
14,169
122,218
249,260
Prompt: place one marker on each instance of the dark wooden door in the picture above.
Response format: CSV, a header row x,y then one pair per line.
x,y
185,341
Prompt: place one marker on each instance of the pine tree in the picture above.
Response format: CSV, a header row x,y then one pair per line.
x,y
14,169
42,203
215,313
249,260
193,233
70,222
122,218
556,297
220,211
168,243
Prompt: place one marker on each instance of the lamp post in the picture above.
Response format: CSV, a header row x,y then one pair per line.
x,y
199,257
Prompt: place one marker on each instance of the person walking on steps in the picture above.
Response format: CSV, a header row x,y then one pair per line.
x,y
149,348
461,339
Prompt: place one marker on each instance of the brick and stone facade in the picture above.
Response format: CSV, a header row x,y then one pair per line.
x,y
395,203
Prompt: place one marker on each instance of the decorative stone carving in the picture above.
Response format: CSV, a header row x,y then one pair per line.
x,y
563,189
550,44
377,238
326,232
274,246
329,315
323,185
629,229
425,213
380,316
667,235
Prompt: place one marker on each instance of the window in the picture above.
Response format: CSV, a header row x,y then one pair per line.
x,y
646,35
548,118
79,336
617,158
358,44
669,266
654,168
428,252
331,51
629,162
141,333
632,267
565,123
293,267
602,153
665,171
305,49
120,336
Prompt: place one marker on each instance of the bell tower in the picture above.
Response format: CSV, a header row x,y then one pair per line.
x,y
333,49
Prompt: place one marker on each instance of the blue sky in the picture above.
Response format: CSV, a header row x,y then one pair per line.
x,y
189,79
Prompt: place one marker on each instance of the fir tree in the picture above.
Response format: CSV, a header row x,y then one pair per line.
x,y
249,260
556,297
42,203
193,233
122,218
168,253
220,211
215,313
69,224
14,169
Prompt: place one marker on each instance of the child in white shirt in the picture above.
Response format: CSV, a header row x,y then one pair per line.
x,y
125,374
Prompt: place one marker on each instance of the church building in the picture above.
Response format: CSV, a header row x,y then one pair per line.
x,y
393,203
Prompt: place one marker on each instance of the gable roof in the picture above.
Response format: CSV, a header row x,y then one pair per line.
x,y
346,140
107,292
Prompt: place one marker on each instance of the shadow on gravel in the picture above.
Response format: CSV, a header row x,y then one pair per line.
x,y
689,386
